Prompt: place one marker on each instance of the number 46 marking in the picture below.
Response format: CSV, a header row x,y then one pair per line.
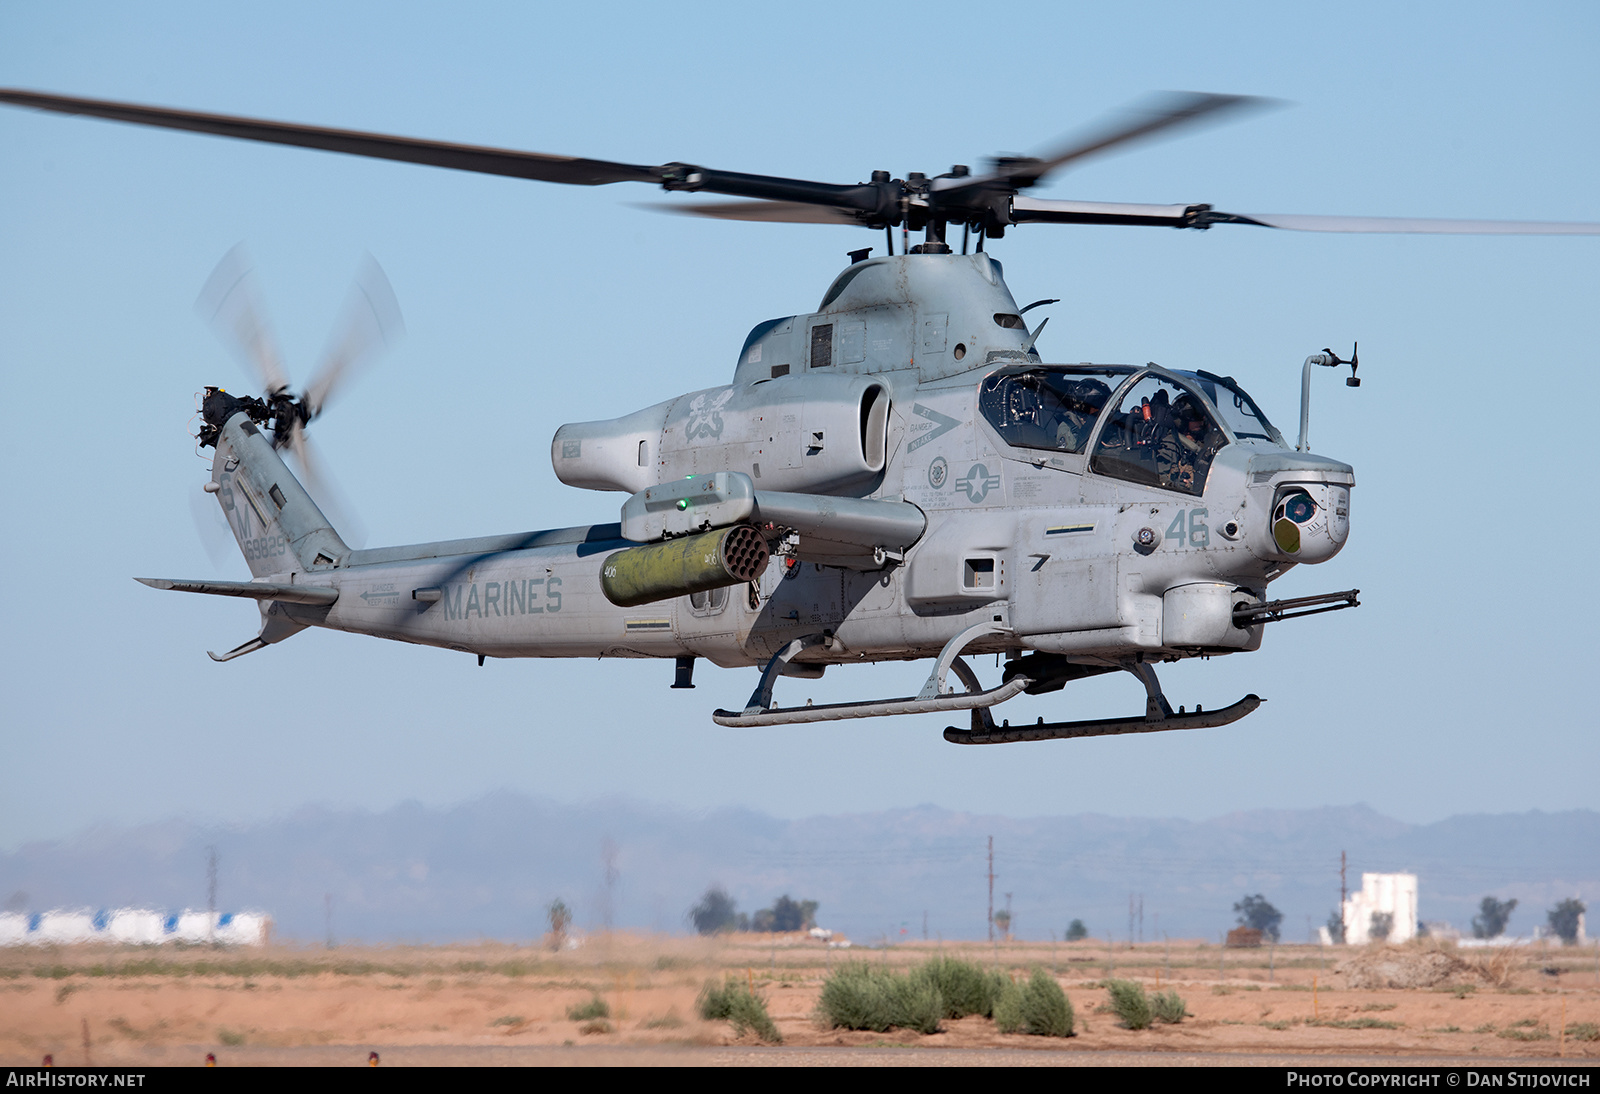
x,y
1190,526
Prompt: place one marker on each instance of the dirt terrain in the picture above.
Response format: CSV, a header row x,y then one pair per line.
x,y
496,1003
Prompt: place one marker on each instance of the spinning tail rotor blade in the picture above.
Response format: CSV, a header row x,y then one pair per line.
x,y
231,304
370,322
333,501
211,528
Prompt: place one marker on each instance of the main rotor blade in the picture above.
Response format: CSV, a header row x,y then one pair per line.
x,y
1026,210
1411,225
876,198
369,322
1155,115
772,212
572,170
231,303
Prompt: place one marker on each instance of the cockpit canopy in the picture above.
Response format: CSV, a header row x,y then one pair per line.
x,y
1163,430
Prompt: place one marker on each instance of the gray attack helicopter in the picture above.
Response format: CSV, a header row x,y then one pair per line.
x,y
895,475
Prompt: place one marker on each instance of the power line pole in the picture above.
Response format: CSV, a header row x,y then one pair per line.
x,y
608,856
1344,928
211,894
991,888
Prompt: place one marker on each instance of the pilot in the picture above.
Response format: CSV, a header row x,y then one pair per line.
x,y
1184,454
1082,402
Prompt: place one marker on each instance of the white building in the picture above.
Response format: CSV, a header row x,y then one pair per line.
x,y
135,926
1394,895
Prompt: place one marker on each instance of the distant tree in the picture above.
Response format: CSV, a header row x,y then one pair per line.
x,y
1255,911
1336,927
1490,922
1076,931
1379,926
715,913
560,917
1564,919
1002,919
785,915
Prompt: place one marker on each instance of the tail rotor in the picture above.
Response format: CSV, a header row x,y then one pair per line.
x,y
369,323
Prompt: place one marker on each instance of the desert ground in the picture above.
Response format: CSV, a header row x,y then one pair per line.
x,y
496,1003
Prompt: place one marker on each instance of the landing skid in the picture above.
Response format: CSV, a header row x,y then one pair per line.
x,y
985,732
934,698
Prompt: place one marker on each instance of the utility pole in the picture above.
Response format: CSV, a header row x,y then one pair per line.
x,y
991,888
608,857
1141,917
1344,928
211,894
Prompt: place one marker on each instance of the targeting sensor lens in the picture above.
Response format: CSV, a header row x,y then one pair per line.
x,y
1297,507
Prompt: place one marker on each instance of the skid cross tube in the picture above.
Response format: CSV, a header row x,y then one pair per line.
x,y
952,650
931,700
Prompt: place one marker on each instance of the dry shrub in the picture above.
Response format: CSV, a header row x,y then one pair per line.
x,y
963,987
1496,965
596,1007
1168,1007
1397,967
863,996
733,1001
1130,1004
1038,1007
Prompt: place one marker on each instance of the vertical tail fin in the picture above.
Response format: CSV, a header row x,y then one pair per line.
x,y
278,526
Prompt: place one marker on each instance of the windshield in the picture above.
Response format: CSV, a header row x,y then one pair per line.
x,y
1238,410
1049,408
1159,435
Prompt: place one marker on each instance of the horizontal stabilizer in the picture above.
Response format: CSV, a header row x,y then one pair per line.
x,y
254,590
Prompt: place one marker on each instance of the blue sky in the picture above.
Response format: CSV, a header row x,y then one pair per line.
x,y
1459,686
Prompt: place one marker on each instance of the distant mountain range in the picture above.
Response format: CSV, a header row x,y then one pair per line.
x,y
488,868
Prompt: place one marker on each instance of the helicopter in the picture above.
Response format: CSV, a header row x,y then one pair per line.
x,y
895,475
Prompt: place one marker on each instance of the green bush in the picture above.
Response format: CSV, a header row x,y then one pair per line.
x,y
1038,1007
863,996
1130,1004
1167,1007
964,987
596,1007
734,1002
